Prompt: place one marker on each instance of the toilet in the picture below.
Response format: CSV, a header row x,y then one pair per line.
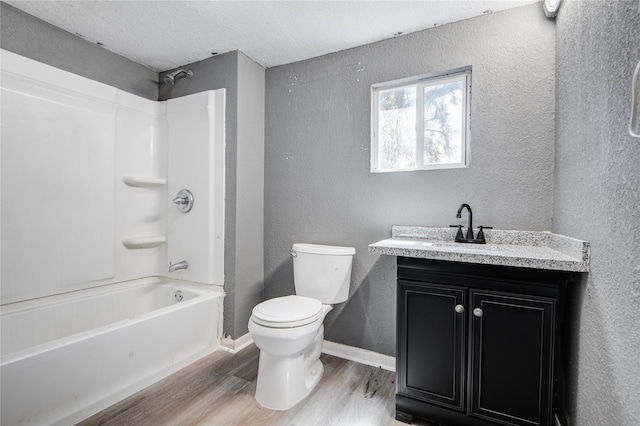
x,y
289,330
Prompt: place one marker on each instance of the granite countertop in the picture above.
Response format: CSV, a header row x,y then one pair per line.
x,y
525,249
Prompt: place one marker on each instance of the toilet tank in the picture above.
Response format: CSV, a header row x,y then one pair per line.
x,y
322,272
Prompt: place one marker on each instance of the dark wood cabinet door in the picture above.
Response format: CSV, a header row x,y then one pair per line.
x,y
431,343
511,357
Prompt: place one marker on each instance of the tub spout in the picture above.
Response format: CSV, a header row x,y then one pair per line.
x,y
180,265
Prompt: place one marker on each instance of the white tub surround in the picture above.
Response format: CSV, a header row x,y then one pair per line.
x,y
196,163
94,347
524,249
58,160
89,173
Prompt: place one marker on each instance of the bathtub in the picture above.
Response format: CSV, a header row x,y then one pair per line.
x,y
66,357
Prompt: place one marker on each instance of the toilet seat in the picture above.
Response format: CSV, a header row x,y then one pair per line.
x,y
287,312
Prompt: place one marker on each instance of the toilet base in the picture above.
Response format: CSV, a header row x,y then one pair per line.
x,y
283,381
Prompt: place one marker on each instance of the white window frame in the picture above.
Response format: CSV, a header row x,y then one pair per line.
x,y
420,82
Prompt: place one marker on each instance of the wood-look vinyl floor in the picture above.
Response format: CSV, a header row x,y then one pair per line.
x,y
219,389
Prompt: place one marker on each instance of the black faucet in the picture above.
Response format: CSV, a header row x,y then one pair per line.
x,y
459,216
479,239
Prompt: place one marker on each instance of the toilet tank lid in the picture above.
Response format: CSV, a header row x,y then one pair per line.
x,y
322,249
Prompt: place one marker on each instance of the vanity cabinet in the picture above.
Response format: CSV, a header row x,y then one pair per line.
x,y
478,344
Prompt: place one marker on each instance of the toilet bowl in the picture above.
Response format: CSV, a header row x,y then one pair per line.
x,y
289,330
289,366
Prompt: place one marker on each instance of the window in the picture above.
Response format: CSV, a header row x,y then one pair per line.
x,y
421,123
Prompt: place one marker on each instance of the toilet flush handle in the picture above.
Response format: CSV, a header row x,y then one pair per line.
x,y
294,254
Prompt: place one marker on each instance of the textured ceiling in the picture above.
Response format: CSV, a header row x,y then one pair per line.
x,y
166,34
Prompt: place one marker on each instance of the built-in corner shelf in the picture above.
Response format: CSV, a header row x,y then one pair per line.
x,y
143,241
144,182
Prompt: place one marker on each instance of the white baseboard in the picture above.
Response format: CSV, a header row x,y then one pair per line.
x,y
350,353
362,356
234,346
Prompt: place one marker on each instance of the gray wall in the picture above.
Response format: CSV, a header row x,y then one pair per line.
x,y
249,254
29,36
318,187
597,198
244,176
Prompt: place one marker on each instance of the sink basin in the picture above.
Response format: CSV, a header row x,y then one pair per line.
x,y
463,246
446,246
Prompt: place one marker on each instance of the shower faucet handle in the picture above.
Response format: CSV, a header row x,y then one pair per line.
x,y
184,200
181,200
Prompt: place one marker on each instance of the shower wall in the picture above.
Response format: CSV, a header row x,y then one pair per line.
x,y
66,141
84,169
197,236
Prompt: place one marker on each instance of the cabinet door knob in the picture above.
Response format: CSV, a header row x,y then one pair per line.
x,y
459,309
477,312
